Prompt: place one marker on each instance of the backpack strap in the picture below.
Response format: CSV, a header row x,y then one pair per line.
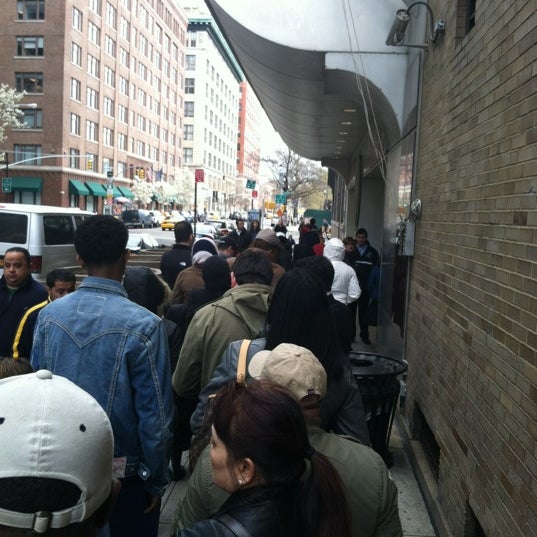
x,y
233,525
241,364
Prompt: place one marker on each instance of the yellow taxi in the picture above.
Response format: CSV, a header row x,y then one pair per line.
x,y
169,223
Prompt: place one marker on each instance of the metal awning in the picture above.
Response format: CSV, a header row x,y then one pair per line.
x,y
322,72
27,184
78,188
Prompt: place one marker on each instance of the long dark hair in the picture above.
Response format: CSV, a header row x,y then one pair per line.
x,y
299,313
263,421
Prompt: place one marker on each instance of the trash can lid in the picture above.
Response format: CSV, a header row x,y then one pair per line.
x,y
369,364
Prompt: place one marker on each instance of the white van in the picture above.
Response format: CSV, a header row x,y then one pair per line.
x,y
46,232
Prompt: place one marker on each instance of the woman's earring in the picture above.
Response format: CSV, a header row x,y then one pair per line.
x,y
241,481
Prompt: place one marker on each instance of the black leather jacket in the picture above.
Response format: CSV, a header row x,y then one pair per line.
x,y
264,511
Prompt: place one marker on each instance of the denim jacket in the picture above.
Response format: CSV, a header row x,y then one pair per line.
x,y
118,352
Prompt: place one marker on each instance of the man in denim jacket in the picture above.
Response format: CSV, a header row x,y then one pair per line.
x,y
117,351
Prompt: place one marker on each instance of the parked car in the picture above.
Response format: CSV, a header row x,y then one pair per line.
x,y
206,230
137,218
223,227
46,232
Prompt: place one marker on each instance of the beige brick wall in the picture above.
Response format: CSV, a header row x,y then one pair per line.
x,y
472,325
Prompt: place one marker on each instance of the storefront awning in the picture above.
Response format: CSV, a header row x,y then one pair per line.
x,y
27,184
116,192
96,189
78,188
127,192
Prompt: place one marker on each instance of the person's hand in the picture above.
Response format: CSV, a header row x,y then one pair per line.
x,y
154,503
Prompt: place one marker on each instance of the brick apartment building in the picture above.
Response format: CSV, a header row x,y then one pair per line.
x,y
104,90
451,123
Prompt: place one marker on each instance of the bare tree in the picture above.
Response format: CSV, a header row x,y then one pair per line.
x,y
10,113
294,175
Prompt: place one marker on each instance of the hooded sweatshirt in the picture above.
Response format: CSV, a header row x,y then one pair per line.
x,y
345,287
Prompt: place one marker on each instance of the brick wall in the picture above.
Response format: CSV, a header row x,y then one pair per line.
x,y
472,325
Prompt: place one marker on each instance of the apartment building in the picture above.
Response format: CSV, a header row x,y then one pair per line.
x,y
104,98
248,149
212,79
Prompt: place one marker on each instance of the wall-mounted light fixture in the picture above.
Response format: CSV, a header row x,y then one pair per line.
x,y
396,37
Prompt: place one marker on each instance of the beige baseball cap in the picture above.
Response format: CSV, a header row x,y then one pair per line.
x,y
291,366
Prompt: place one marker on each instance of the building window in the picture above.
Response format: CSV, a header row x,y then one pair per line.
x,y
189,108
94,33
30,46
74,158
77,19
93,66
188,155
92,98
123,57
123,86
31,10
191,39
75,124
32,118
108,105
95,5
27,152
109,46
75,89
122,113
470,14
122,142
190,85
190,62
111,15
109,77
108,136
189,132
124,29
76,54
29,82
92,131
140,148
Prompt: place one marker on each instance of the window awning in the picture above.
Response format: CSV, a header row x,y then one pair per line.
x,y
127,192
27,184
96,189
78,188
117,192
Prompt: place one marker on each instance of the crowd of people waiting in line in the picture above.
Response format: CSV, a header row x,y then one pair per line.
x,y
129,368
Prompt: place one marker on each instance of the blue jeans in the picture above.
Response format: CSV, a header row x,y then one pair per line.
x,y
128,518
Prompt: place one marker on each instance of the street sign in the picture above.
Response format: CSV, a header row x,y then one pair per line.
x,y
280,198
7,184
199,175
250,184
254,193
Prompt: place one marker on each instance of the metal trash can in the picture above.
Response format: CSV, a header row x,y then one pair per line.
x,y
376,377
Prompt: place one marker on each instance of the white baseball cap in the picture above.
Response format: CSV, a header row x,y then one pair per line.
x,y
51,428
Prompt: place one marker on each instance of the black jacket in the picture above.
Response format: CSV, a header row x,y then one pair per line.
x,y
265,511
174,261
12,309
243,240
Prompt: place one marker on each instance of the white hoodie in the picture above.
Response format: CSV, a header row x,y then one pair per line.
x,y
345,288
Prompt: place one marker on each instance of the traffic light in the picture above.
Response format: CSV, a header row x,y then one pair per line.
x,y
89,163
141,174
